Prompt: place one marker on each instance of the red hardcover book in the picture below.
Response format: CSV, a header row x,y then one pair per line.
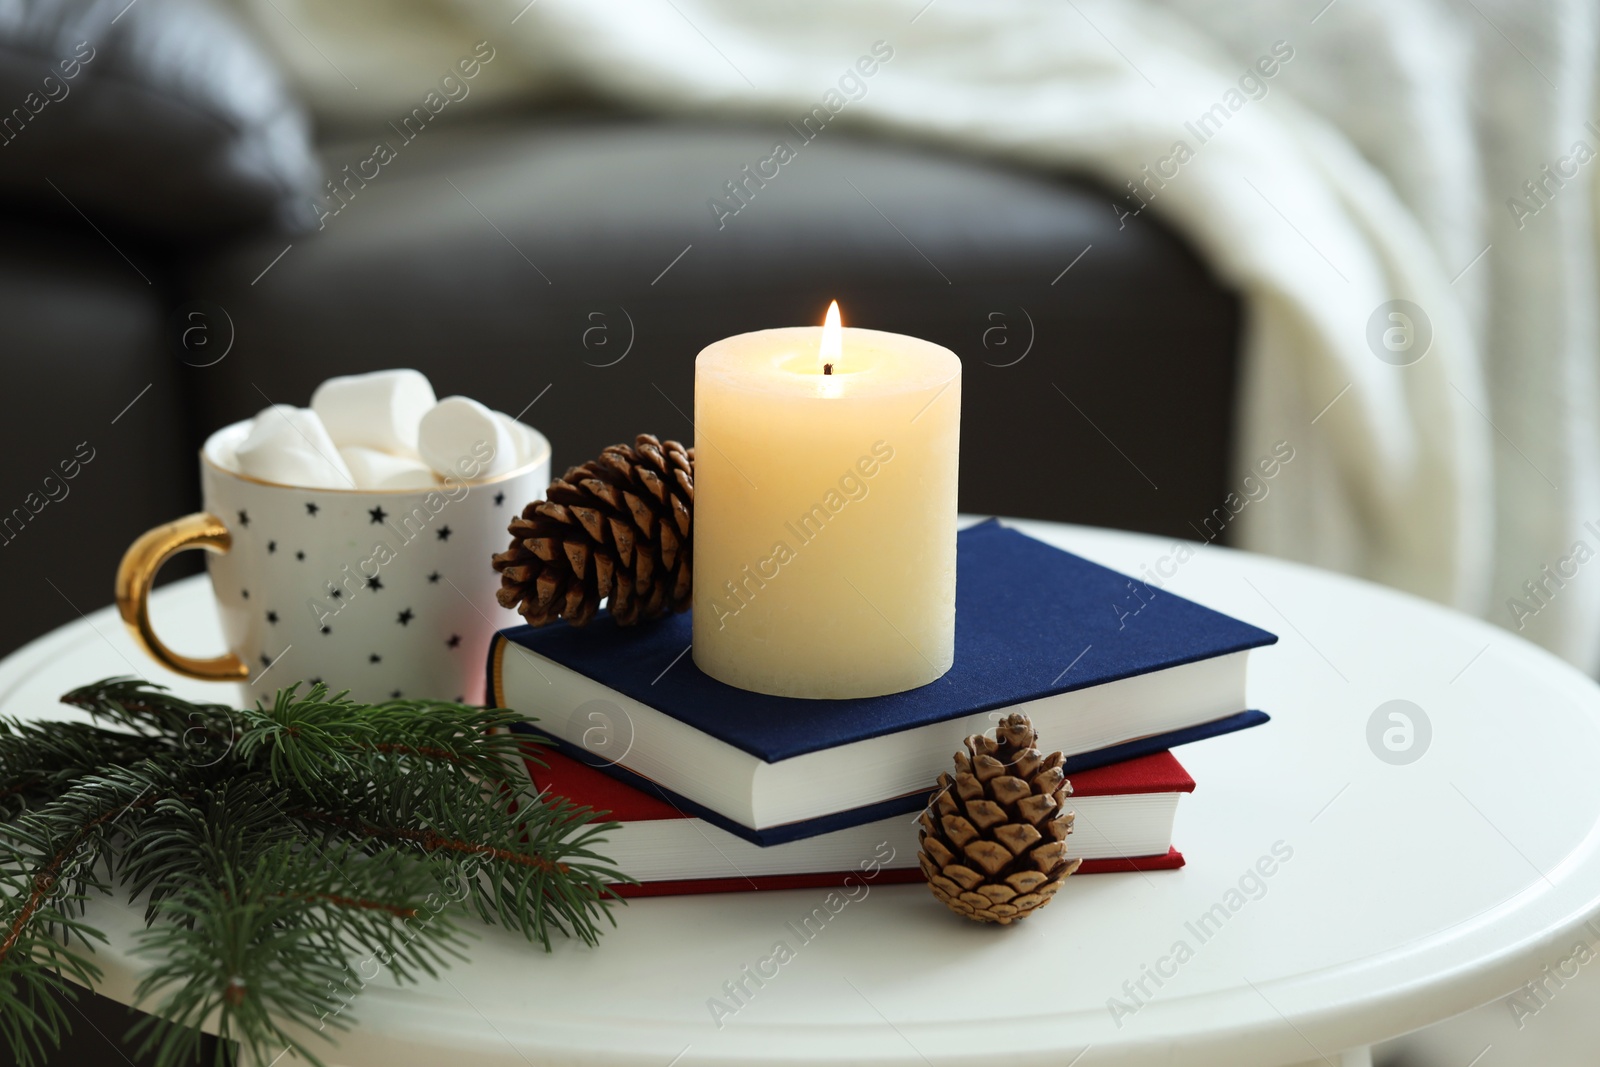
x,y
1124,823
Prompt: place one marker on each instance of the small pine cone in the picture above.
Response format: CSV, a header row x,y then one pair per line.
x,y
618,526
994,838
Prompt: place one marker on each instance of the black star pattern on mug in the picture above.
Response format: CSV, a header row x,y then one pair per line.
x,y
374,583
377,514
374,658
312,509
272,617
395,695
499,498
244,518
326,630
444,533
434,577
405,617
244,593
317,680
272,546
301,556
454,642
337,593
266,660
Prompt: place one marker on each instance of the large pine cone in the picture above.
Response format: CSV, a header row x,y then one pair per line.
x,y
618,527
994,838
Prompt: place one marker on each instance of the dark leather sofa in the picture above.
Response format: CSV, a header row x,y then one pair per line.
x,y
572,264
563,264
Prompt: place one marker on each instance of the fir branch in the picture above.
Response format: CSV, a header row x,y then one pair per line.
x,y
284,854
429,841
399,911
49,863
309,738
39,759
258,957
32,987
143,707
537,870
64,841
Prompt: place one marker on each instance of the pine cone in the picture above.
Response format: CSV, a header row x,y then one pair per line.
x,y
618,527
982,832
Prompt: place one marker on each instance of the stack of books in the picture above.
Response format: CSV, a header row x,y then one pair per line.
x,y
721,789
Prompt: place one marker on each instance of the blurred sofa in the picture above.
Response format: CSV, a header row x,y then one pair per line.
x,y
567,267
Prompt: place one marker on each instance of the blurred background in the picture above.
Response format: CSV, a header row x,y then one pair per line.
x,y
1168,240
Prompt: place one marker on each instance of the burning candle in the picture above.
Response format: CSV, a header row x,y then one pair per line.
x,y
825,510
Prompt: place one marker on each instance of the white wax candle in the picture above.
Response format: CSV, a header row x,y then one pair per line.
x,y
825,511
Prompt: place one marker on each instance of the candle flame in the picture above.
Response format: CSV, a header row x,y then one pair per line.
x,y
832,346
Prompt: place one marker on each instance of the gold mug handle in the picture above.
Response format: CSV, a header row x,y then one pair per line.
x,y
138,570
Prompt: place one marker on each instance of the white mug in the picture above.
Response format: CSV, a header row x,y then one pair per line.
x,y
388,594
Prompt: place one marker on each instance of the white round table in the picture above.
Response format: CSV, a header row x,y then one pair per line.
x,y
1400,893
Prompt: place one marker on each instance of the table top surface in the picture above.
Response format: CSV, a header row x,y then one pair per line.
x,y
1340,889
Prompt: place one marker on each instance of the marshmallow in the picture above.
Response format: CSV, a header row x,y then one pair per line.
x,y
381,470
290,446
224,456
380,410
530,443
456,438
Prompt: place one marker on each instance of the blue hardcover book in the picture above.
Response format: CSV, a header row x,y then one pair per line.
x,y
1038,630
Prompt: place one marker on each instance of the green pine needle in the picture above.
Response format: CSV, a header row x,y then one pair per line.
x,y
286,855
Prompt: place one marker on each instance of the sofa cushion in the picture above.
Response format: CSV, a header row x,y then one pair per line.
x,y
160,115
95,438
578,267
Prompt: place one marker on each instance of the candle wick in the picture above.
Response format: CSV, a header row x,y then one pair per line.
x,y
827,368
